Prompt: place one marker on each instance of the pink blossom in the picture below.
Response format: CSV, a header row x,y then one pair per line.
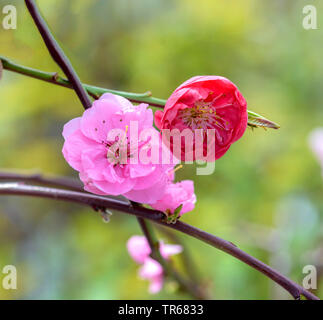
x,y
176,194
316,144
168,250
153,271
139,249
207,103
104,162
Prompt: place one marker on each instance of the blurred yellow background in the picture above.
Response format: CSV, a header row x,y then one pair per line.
x,y
266,192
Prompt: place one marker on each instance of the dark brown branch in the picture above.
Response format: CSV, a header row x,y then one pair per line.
x,y
38,178
73,184
153,244
156,216
57,54
188,262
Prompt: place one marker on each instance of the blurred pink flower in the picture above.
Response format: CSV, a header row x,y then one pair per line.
x,y
153,271
206,102
316,144
104,158
139,249
176,194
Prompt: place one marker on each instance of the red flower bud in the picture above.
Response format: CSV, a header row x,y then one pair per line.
x,y
206,102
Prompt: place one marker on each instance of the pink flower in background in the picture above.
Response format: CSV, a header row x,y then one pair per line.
x,y
176,194
103,161
316,144
153,271
139,249
206,102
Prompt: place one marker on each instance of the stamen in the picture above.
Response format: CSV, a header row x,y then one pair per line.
x,y
202,116
174,170
114,157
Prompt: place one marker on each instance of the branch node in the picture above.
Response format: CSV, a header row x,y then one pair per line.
x,y
55,76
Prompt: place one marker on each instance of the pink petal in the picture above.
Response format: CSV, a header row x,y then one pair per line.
x,y
188,186
141,170
95,122
168,250
316,143
149,195
71,126
158,116
95,163
221,82
116,100
138,248
176,194
73,148
150,269
88,185
156,284
115,188
141,114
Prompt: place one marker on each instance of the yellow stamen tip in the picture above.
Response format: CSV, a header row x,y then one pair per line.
x,y
177,168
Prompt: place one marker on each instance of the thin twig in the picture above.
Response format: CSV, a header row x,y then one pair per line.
x,y
188,286
254,119
95,92
38,178
186,258
156,216
57,54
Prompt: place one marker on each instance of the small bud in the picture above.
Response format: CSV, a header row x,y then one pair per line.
x,y
255,120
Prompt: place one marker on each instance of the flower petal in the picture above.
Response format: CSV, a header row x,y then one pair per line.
x,y
71,126
73,148
168,250
138,248
95,122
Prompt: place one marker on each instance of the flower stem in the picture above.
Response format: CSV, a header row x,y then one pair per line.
x,y
95,92
187,260
57,54
254,119
188,286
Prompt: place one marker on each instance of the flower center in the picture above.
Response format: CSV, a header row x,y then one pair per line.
x,y
118,151
201,116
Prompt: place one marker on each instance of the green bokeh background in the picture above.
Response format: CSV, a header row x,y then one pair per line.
x,y
266,192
